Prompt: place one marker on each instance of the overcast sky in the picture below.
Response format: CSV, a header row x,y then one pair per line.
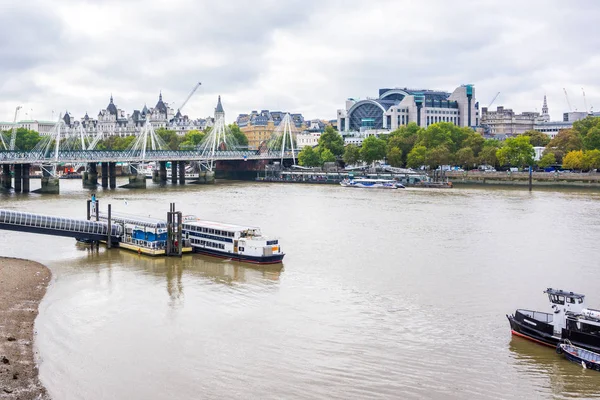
x,y
303,56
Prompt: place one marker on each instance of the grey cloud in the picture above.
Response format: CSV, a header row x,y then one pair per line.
x,y
304,56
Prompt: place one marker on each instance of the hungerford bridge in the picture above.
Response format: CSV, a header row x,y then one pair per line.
x,y
78,150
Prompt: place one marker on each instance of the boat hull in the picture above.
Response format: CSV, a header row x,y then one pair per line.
x,y
527,331
577,356
274,259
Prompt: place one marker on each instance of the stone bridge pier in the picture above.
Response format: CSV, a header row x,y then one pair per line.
x,y
21,177
90,176
109,175
50,184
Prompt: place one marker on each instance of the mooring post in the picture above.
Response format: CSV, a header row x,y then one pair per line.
x,y
89,205
179,234
109,238
530,178
97,209
169,229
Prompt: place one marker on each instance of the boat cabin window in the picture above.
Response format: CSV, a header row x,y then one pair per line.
x,y
557,299
572,300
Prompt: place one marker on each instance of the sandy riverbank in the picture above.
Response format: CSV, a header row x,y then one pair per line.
x,y
22,286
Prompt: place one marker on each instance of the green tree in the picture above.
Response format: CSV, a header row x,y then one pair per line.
x,y
583,126
516,152
465,157
194,137
475,141
170,137
547,160
308,157
487,156
404,138
240,138
438,156
436,135
25,140
351,154
591,140
372,149
537,139
327,156
332,140
417,157
394,156
573,160
567,140
593,159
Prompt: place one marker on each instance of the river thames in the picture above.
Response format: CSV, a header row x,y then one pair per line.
x,y
383,294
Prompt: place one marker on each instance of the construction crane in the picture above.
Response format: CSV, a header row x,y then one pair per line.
x,y
567,97
585,102
13,135
494,99
190,95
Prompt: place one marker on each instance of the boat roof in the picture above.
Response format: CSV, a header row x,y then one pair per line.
x,y
219,225
134,220
559,292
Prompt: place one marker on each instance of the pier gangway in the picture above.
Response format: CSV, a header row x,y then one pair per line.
x,y
59,226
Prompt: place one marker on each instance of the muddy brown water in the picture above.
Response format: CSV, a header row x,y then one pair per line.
x,y
382,294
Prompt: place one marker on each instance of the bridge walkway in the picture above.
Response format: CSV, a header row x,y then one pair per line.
x,y
58,226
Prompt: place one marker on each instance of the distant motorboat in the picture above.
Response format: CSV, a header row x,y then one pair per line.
x,y
372,183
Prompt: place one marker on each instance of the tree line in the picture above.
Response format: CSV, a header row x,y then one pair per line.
x,y
576,148
444,143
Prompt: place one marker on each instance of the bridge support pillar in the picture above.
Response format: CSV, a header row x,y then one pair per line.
x,y
26,170
5,176
155,176
90,177
210,177
162,172
182,172
137,180
18,169
50,184
112,174
104,175
174,172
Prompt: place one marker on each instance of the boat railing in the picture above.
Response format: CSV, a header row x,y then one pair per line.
x,y
537,315
155,245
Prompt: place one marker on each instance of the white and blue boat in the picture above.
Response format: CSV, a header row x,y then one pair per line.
x,y
235,242
366,183
588,359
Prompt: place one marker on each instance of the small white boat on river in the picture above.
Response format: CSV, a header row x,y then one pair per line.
x,y
372,183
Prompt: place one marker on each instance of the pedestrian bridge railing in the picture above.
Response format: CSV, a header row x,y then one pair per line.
x,y
57,226
82,156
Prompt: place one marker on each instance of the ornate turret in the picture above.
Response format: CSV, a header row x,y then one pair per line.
x,y
111,108
545,107
161,106
219,109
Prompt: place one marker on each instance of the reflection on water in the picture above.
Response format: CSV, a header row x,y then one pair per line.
x,y
542,363
227,272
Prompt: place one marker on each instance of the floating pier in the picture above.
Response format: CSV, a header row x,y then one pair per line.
x,y
143,235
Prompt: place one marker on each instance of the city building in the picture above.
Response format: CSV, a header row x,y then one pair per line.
x,y
504,121
552,128
259,126
114,121
396,107
310,136
43,127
